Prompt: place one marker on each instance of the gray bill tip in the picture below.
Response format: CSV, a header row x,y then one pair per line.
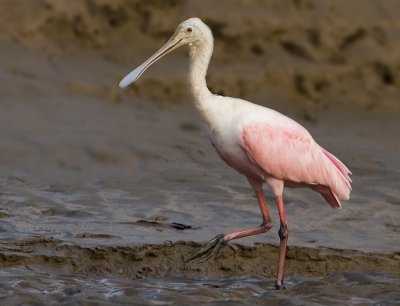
x,y
125,82
130,78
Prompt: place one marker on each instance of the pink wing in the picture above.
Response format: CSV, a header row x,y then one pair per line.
x,y
288,152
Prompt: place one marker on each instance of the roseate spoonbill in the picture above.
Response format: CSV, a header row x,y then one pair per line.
x,y
260,143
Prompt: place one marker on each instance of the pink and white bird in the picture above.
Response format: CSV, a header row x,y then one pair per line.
x,y
260,143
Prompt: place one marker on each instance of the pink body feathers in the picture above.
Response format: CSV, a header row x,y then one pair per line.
x,y
294,158
267,146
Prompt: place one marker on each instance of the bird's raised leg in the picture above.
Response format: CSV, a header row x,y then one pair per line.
x,y
283,235
213,247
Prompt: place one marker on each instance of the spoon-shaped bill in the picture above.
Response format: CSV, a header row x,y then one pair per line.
x,y
135,74
132,76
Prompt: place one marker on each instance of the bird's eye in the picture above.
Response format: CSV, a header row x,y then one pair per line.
x,y
189,30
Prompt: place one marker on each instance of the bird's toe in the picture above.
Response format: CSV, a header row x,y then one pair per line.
x,y
209,250
279,286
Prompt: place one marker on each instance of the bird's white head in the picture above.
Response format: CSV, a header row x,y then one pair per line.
x,y
191,32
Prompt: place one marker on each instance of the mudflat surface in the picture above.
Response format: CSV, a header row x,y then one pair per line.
x,y
105,192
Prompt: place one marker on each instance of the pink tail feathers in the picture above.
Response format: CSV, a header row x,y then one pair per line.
x,y
343,169
328,195
343,183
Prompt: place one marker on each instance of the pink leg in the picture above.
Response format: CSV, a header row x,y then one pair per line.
x,y
213,247
283,235
265,225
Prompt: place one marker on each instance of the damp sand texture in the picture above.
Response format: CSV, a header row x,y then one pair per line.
x,y
92,178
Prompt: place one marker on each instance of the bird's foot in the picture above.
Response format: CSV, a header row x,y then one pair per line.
x,y
209,250
279,286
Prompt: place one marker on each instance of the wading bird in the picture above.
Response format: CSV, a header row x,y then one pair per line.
x,y
260,143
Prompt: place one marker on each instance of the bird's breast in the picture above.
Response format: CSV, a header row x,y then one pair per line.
x,y
237,159
230,149
224,118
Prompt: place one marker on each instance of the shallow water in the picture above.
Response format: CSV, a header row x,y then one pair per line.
x,y
177,177
38,288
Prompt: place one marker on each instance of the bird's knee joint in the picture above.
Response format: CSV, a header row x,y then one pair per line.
x,y
283,231
267,225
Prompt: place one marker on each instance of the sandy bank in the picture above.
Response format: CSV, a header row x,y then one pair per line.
x,y
151,260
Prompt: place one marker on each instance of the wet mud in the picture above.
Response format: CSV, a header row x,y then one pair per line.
x,y
48,271
160,260
104,193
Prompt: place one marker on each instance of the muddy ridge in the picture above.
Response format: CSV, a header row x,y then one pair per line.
x,y
158,260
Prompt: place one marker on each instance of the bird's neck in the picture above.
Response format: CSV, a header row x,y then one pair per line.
x,y
200,55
